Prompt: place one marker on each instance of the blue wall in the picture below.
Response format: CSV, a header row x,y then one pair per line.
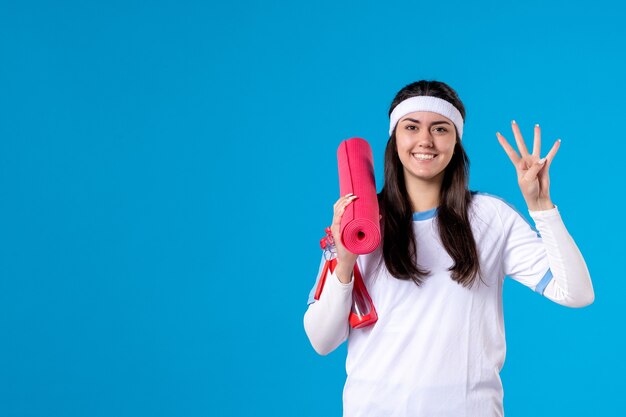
x,y
167,170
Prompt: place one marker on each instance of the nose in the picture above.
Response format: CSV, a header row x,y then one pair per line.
x,y
425,139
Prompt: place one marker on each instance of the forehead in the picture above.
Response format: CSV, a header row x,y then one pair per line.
x,y
425,117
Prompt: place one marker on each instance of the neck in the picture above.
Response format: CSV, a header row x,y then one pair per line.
x,y
424,195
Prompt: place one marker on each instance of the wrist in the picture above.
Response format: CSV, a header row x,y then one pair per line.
x,y
540,205
344,274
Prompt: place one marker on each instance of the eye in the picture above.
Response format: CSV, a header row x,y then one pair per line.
x,y
410,127
441,129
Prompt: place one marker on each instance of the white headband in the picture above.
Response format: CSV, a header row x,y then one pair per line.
x,y
426,103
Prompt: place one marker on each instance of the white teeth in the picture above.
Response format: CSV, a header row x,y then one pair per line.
x,y
423,156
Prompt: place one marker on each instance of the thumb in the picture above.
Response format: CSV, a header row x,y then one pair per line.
x,y
531,174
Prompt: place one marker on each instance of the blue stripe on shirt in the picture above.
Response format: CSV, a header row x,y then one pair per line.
x,y
541,287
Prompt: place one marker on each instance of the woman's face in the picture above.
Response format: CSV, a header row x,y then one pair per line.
x,y
425,143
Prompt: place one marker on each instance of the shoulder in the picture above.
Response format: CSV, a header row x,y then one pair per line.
x,y
491,205
494,204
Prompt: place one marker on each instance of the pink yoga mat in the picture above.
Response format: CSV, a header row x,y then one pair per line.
x,y
360,225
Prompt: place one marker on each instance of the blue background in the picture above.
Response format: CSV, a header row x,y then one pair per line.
x,y
167,170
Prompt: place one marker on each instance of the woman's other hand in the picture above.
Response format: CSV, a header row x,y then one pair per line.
x,y
532,171
345,259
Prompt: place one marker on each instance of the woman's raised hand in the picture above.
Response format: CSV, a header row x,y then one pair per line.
x,y
345,259
532,171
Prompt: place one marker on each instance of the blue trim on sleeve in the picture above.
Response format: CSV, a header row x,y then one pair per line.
x,y
541,287
510,205
424,215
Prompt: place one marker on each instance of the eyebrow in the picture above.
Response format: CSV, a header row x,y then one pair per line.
x,y
418,122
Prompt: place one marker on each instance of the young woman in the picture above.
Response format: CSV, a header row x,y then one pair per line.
x,y
436,279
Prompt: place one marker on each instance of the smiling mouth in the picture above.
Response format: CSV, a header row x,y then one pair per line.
x,y
423,157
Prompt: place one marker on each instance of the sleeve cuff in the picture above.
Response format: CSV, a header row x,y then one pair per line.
x,y
334,279
545,214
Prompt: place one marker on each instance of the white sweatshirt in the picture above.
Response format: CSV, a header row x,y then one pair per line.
x,y
438,349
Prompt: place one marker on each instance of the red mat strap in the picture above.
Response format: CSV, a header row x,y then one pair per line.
x,y
359,293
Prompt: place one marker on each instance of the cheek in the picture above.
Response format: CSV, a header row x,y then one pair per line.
x,y
449,152
400,141
401,146
449,144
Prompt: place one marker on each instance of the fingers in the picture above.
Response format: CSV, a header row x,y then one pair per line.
x,y
335,228
340,207
543,174
347,201
528,166
553,152
341,199
537,141
519,140
508,149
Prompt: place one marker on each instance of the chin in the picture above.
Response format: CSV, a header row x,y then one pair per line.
x,y
434,177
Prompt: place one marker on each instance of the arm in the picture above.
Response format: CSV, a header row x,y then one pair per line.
x,y
571,283
326,320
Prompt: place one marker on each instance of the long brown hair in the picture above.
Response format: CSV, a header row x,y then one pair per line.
x,y
399,246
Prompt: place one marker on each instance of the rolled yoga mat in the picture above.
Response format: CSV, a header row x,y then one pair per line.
x,y
360,224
